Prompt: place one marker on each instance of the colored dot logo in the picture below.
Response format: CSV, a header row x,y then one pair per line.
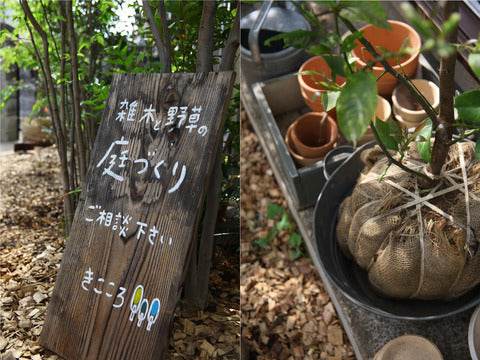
x,y
135,302
139,306
153,313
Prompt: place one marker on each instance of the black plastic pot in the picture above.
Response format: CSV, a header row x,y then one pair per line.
x,y
348,277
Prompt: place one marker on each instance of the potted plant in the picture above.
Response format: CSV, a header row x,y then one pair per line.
x,y
422,247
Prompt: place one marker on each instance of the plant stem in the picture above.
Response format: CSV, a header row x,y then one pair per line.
x,y
392,160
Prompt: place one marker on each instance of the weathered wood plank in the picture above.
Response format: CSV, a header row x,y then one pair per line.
x,y
138,211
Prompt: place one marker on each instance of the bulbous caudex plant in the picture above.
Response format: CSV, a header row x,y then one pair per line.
x,y
356,101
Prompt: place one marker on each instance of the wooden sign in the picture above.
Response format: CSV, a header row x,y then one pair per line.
x,y
124,263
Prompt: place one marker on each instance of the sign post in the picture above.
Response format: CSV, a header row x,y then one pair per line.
x,y
125,260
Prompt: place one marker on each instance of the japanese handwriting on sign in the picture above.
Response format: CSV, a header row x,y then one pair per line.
x,y
120,222
110,165
100,288
139,304
176,117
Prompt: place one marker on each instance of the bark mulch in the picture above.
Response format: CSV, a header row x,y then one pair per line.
x,y
285,311
31,248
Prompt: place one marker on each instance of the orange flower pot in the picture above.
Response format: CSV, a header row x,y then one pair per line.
x,y
391,40
313,134
310,89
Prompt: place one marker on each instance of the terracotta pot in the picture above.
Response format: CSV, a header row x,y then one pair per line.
x,y
311,91
412,347
406,108
314,134
299,159
392,40
383,112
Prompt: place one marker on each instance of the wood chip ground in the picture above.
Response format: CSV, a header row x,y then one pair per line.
x,y
286,312
31,249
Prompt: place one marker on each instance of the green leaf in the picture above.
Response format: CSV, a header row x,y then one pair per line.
x,y
100,40
298,38
273,210
284,223
449,25
424,146
356,105
320,49
297,254
468,106
395,130
129,60
329,100
261,243
336,64
383,131
474,62
477,149
295,239
349,43
371,12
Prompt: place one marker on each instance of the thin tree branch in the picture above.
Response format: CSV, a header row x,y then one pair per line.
x,y
52,101
166,36
63,88
205,37
77,119
231,45
50,28
163,53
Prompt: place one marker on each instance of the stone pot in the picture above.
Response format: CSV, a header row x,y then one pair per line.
x,y
407,110
474,334
309,87
412,347
314,134
392,40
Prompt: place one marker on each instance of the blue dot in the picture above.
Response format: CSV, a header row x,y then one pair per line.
x,y
154,309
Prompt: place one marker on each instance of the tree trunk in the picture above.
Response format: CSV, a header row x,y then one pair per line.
x,y
205,37
446,117
77,115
